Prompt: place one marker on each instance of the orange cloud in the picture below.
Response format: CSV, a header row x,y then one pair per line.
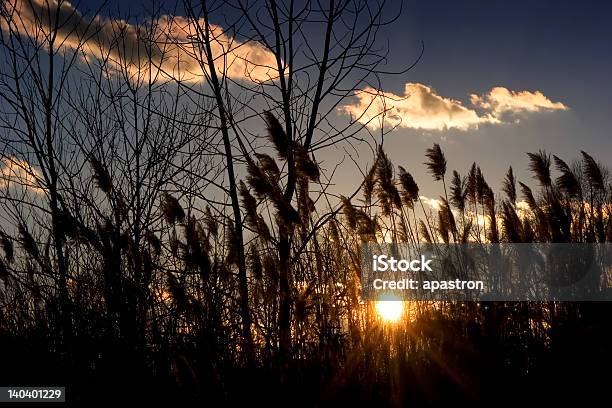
x,y
164,49
421,107
432,203
19,173
501,100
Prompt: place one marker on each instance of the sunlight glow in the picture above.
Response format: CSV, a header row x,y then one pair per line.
x,y
390,310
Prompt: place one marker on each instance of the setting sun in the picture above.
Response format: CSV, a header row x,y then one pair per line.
x,y
390,310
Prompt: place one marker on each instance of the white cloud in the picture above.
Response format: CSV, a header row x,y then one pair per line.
x,y
421,107
163,49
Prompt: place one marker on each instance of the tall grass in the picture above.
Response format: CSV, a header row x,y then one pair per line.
x,y
178,326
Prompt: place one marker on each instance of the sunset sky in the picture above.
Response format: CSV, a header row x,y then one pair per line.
x,y
495,81
559,48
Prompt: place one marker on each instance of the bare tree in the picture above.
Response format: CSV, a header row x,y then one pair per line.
x,y
34,79
305,81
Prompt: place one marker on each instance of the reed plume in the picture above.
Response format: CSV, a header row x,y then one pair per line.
x,y
467,230
386,190
509,186
367,226
539,164
101,175
424,231
540,218
436,164
305,166
172,210
27,241
529,198
472,184
4,273
259,182
489,202
265,189
511,223
410,189
154,242
369,182
7,246
567,181
269,166
277,135
458,191
254,262
593,171
249,204
446,221
212,226
350,213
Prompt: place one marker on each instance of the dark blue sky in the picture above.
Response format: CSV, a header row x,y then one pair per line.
x,y
563,49
560,48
